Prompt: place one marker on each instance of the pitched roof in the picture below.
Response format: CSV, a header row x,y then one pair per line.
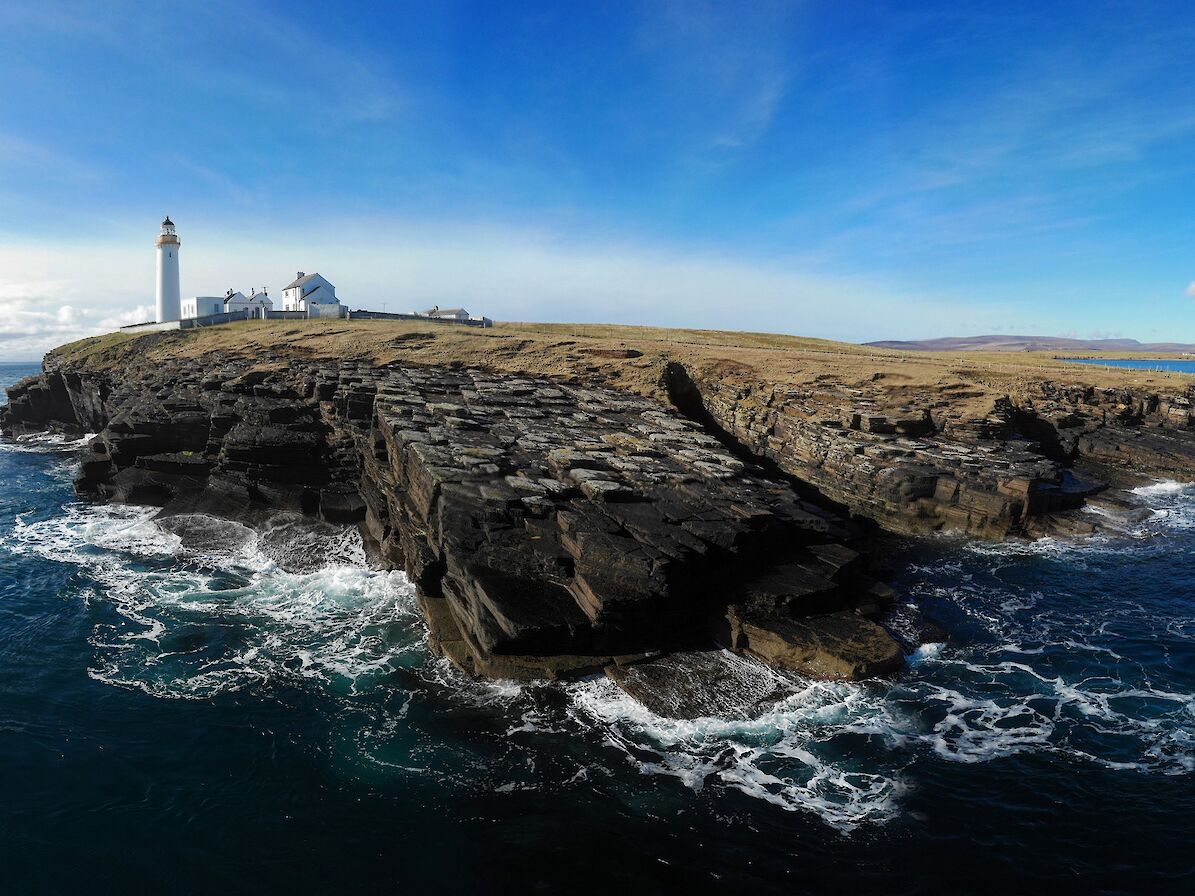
x,y
447,312
306,278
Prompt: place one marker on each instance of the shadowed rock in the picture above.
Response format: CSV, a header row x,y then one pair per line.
x,y
550,529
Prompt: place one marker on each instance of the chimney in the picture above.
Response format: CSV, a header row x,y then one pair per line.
x,y
300,275
252,291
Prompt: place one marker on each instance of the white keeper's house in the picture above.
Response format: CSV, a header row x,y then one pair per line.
x,y
313,294
256,303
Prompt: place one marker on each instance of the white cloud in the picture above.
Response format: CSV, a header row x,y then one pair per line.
x,y
68,292
39,314
68,316
1191,289
28,331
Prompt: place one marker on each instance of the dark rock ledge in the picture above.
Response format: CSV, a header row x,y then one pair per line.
x,y
550,529
951,459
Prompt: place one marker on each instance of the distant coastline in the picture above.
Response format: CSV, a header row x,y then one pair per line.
x,y
1010,343
1158,365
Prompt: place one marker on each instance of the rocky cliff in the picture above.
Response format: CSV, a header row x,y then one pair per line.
x,y
952,459
554,525
549,528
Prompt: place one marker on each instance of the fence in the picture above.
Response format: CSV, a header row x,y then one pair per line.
x,y
212,320
389,315
188,323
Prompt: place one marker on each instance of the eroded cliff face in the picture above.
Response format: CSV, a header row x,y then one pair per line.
x,y
553,528
549,528
930,460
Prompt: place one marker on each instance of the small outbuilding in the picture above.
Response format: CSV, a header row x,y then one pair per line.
x,y
439,313
201,306
258,304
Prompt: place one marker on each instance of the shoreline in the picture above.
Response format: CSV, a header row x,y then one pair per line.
x,y
555,525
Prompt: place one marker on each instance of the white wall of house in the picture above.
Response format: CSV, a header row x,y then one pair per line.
x,y
324,294
316,309
255,304
201,306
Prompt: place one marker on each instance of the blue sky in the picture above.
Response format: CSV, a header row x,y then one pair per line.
x,y
850,170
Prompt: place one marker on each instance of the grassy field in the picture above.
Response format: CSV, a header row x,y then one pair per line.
x,y
626,357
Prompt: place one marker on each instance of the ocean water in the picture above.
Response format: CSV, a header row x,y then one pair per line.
x,y
205,708
1170,365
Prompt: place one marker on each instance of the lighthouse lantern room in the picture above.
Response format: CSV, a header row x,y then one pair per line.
x,y
168,290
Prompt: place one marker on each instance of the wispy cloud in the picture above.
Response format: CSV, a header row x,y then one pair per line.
x,y
237,48
292,67
23,158
228,188
1058,110
733,68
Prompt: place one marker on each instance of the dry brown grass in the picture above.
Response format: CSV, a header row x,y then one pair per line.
x,y
626,357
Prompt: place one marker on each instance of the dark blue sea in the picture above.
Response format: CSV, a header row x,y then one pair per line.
x,y
1167,365
191,713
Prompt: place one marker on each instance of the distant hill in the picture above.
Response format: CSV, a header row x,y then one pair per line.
x,y
1030,344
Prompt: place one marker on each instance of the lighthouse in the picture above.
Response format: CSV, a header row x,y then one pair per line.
x,y
168,292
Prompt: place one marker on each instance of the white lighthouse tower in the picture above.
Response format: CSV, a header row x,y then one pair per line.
x,y
168,292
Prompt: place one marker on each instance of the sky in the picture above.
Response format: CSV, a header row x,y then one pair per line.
x,y
856,171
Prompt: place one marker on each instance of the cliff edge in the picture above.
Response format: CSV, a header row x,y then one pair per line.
x,y
571,504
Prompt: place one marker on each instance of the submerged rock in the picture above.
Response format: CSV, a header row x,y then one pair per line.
x,y
840,646
698,684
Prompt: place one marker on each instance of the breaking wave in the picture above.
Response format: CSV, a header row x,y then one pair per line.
x,y
43,442
202,606
797,755
1165,488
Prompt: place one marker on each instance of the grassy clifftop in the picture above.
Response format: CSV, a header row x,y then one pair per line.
x,y
632,358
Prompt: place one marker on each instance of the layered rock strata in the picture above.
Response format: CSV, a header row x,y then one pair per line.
x,y
943,459
549,529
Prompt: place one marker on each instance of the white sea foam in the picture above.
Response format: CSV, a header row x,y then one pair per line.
x,y
1165,487
958,704
785,756
84,531
1027,692
202,607
201,610
45,442
924,652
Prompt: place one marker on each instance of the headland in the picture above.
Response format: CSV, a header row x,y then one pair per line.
x,y
569,498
